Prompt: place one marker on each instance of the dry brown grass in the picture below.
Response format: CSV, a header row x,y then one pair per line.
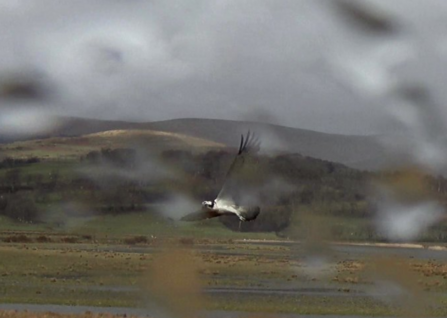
x,y
135,133
186,241
17,239
27,314
43,239
69,239
139,239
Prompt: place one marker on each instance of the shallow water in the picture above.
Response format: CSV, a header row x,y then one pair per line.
x,y
341,249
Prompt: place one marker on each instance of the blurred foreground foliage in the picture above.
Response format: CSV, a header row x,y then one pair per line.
x,y
119,181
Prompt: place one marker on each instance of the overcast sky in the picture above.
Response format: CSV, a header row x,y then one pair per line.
x,y
298,63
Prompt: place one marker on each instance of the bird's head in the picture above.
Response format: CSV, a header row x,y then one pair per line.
x,y
208,204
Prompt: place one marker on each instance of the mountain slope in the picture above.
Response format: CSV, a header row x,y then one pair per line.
x,y
361,152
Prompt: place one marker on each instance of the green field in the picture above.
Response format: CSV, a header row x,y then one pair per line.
x,y
105,274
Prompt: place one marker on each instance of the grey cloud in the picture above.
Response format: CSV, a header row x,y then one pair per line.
x,y
148,60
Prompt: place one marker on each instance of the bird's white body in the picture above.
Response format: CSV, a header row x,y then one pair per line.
x,y
225,203
223,208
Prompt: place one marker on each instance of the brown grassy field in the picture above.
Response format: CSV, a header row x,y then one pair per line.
x,y
180,273
26,314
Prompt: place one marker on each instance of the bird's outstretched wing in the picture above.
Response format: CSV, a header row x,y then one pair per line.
x,y
231,189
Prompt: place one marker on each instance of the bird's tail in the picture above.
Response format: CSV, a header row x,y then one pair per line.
x,y
249,213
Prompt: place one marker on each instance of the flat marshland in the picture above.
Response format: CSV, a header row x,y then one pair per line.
x,y
88,222
228,275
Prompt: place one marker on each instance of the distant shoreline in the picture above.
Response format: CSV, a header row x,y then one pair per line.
x,y
428,246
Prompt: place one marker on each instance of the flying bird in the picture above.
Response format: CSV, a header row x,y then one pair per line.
x,y
230,197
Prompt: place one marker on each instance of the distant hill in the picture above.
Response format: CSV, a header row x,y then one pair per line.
x,y
362,152
76,146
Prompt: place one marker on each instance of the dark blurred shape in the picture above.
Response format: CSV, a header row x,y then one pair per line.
x,y
19,207
414,92
109,60
174,285
3,202
200,215
364,15
24,87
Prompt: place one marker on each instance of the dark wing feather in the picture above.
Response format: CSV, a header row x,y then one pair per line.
x,y
231,187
